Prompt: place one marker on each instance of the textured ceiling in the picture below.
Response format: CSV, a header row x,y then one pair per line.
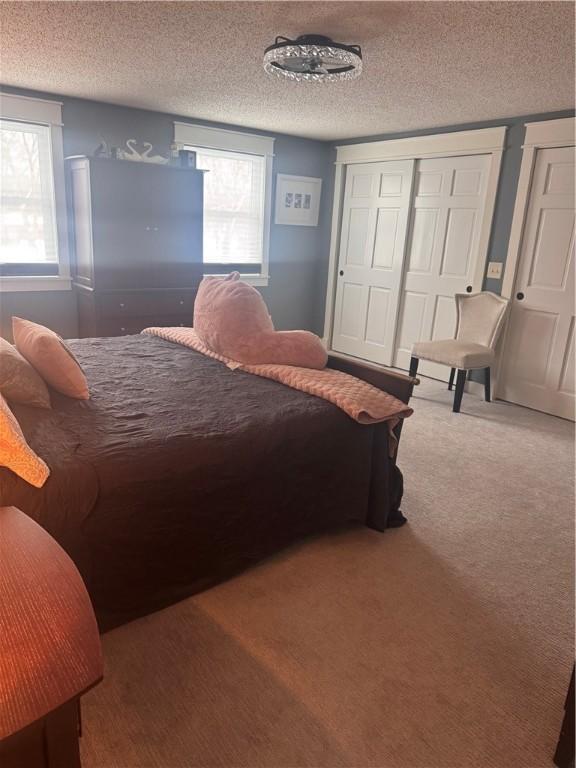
x,y
426,64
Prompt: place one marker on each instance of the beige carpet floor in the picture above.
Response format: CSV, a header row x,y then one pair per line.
x,y
447,643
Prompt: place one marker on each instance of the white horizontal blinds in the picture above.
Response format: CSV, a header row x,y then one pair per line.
x,y
28,222
234,203
237,196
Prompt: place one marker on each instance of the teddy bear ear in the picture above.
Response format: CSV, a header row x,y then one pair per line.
x,y
233,276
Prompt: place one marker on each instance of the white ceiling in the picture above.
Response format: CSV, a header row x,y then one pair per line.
x,y
426,64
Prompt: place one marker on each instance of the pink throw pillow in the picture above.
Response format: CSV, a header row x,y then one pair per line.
x,y
49,355
232,319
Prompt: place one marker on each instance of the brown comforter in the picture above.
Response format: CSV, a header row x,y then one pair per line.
x,y
363,402
178,472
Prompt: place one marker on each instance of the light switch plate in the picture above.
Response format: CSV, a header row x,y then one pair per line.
x,y
494,270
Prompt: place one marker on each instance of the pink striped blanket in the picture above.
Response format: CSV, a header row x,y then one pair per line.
x,y
363,402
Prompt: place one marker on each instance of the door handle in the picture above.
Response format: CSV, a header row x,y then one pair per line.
x,y
341,273
519,295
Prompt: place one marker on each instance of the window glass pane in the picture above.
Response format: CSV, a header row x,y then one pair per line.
x,y
233,206
27,224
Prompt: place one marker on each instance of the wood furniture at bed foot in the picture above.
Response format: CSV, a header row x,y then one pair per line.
x,y
50,650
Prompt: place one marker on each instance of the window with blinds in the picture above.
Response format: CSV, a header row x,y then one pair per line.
x,y
28,230
234,205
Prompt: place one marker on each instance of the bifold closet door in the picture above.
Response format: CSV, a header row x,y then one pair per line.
x,y
443,251
372,244
538,354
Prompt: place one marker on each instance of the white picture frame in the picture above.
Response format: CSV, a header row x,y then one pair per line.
x,y
297,200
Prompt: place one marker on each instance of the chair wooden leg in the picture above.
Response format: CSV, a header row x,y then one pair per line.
x,y
460,380
451,379
487,384
413,366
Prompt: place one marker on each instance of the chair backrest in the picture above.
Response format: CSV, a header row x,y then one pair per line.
x,y
480,317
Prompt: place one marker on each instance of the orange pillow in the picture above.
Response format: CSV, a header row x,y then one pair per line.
x,y
15,453
49,355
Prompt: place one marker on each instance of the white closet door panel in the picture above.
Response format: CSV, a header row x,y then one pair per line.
x,y
372,245
391,183
532,335
428,182
466,181
458,246
444,320
358,232
352,302
443,251
538,354
412,319
378,308
362,184
422,241
386,233
550,259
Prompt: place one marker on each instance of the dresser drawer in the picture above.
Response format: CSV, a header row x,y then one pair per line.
x,y
125,326
126,304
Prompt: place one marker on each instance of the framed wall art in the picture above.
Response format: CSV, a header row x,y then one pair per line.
x,y
297,200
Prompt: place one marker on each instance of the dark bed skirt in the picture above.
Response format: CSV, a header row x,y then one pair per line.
x,y
235,553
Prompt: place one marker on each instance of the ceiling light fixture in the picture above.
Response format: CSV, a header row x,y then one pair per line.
x,y
312,59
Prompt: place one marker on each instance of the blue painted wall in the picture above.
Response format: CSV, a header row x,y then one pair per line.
x,y
296,258
298,255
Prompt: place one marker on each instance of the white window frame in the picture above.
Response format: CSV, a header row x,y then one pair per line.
x,y
27,109
191,135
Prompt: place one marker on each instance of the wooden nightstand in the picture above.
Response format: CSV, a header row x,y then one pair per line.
x,y
564,755
50,651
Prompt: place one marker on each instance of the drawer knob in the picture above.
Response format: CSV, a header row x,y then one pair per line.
x,y
182,303
122,304
122,329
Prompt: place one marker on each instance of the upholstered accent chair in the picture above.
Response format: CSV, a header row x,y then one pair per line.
x,y
480,321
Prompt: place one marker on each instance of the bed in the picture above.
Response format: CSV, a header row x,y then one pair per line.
x,y
180,472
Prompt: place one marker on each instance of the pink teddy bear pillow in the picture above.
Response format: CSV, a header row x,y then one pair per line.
x,y
231,318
